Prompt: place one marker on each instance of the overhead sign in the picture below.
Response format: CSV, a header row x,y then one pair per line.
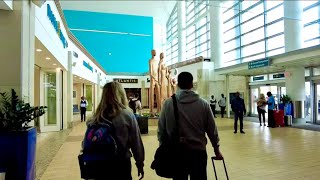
x,y
278,76
259,63
258,78
87,65
56,25
125,80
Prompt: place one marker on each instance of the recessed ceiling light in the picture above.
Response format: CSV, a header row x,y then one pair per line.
x,y
80,78
47,58
54,64
38,50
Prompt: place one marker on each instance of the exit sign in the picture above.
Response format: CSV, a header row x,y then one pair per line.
x,y
259,63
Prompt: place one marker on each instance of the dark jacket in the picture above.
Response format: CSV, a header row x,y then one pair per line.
x,y
237,105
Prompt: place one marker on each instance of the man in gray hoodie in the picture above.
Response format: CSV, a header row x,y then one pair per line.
x,y
195,120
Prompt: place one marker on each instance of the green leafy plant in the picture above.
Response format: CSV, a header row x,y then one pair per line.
x,y
15,114
286,99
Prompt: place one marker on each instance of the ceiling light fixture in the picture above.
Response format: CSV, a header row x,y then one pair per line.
x,y
54,64
38,50
47,58
80,78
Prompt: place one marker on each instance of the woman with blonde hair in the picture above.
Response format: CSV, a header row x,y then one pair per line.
x,y
113,108
261,107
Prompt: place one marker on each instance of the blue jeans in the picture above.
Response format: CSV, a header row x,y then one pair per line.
x,y
238,115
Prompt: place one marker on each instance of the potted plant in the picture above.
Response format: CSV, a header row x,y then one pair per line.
x,y
17,138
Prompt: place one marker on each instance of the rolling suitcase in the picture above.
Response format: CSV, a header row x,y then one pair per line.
x,y
214,168
279,118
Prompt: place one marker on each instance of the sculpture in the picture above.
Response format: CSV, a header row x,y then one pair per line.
x,y
163,82
172,82
154,82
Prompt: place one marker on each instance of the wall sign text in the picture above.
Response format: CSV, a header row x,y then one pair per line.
x,y
125,80
87,65
56,25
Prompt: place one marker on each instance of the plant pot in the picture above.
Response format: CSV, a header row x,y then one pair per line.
x,y
17,154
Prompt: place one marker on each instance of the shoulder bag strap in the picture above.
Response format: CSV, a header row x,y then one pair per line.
x,y
176,113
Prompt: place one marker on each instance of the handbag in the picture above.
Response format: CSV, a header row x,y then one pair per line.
x,y
166,159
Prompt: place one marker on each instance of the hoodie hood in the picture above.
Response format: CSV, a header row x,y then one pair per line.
x,y
186,96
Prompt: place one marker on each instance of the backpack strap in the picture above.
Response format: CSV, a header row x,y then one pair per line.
x,y
176,117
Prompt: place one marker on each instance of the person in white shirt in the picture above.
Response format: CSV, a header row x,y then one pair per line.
x,y
222,104
83,108
213,102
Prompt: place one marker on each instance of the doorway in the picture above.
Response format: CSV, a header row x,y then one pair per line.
x,y
255,91
51,97
317,103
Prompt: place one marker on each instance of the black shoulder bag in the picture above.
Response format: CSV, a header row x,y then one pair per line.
x,y
166,158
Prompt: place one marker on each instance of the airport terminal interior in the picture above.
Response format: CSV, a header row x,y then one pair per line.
x,y
58,55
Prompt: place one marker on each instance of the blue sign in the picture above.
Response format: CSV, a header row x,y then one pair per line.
x,y
56,25
259,63
87,65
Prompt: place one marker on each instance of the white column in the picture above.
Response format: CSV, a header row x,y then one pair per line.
x,y
98,89
293,25
295,88
216,34
181,7
17,49
227,96
69,90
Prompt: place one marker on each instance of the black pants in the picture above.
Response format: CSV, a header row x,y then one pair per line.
x,y
271,121
261,112
223,108
83,113
193,163
238,115
213,109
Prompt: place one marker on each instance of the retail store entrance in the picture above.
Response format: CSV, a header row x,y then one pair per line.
x,y
256,90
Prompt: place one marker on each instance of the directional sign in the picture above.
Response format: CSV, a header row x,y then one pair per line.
x,y
259,63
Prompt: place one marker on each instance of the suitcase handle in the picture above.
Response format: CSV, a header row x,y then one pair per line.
x,y
214,168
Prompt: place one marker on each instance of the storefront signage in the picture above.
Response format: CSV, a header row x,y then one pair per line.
x,y
87,65
56,25
259,63
125,80
258,78
278,76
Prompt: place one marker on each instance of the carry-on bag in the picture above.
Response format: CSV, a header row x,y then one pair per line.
x,y
214,168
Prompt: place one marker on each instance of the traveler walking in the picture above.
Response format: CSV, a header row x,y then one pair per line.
x,y
271,106
239,109
83,108
213,102
113,109
261,107
195,119
222,105
135,104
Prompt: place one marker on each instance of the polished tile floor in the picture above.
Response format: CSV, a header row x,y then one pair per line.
x,y
261,153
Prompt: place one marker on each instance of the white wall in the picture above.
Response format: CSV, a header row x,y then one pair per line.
x,y
80,70
48,36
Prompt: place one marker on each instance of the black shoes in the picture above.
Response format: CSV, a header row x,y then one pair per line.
x,y
235,132
242,132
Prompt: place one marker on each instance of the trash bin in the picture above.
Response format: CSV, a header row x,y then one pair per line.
x,y
143,124
288,120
